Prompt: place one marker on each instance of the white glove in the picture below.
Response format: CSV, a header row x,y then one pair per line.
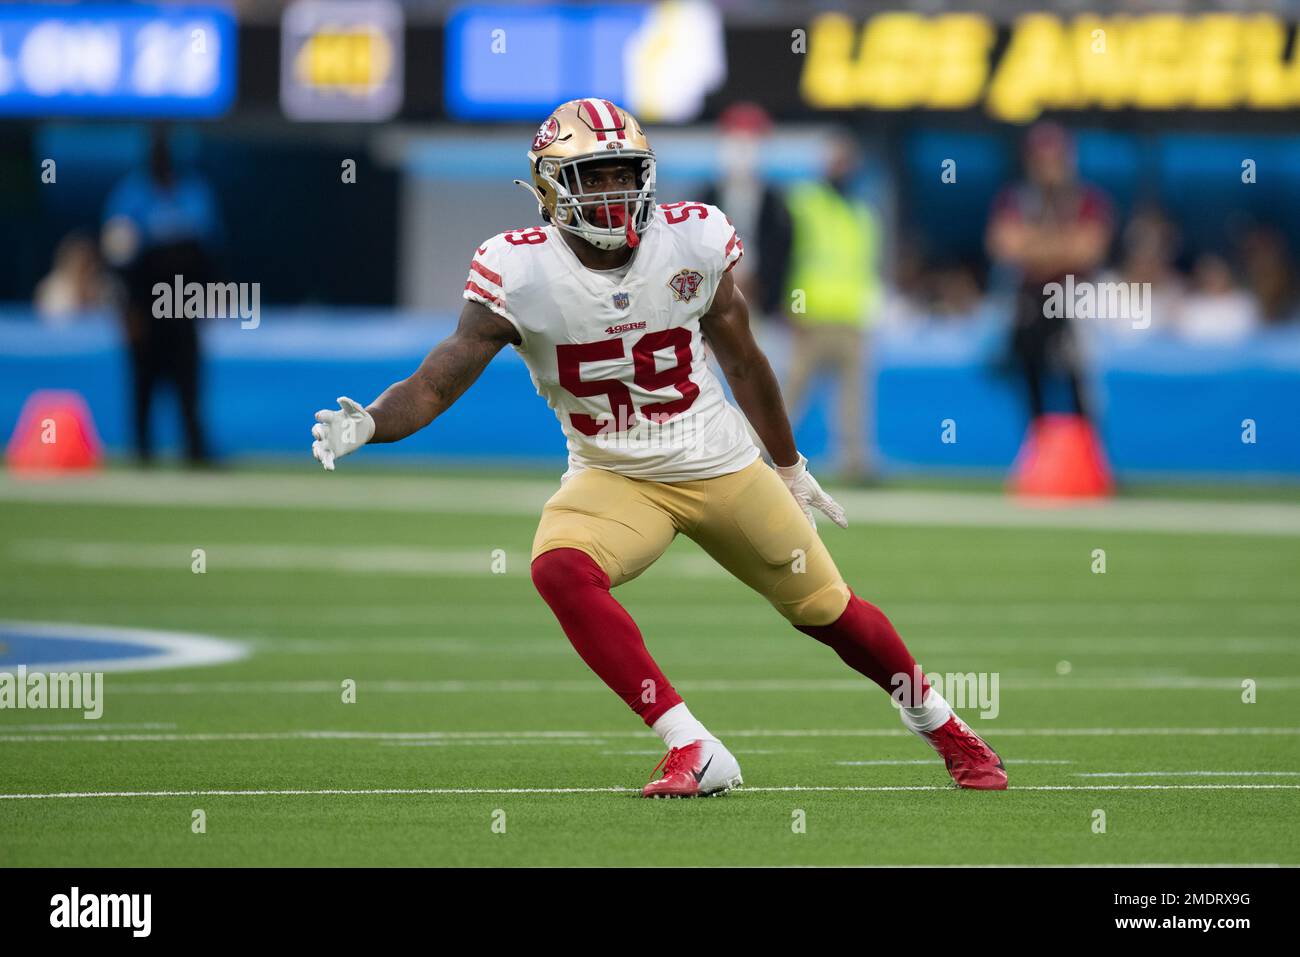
x,y
338,433
809,494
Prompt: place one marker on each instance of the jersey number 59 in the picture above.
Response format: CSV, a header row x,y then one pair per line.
x,y
570,356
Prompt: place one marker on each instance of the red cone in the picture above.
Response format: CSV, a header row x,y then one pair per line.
x,y
1062,458
55,433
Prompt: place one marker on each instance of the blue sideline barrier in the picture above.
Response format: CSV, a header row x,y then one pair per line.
x,y
1164,406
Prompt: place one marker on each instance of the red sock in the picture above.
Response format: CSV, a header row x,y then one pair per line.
x,y
602,631
868,643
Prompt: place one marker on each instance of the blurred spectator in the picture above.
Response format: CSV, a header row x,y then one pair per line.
x,y
754,207
905,300
947,288
75,282
1217,310
955,291
1149,252
159,225
1269,274
834,286
1044,229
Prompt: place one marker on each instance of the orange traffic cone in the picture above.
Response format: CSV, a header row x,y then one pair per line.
x,y
1061,458
55,433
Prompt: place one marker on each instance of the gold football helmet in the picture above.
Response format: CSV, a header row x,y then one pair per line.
x,y
592,131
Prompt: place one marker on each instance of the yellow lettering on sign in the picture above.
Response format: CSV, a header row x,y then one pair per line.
x,y
1163,72
1213,61
1269,83
961,44
894,60
1215,43
827,80
1103,71
1035,73
357,60
898,61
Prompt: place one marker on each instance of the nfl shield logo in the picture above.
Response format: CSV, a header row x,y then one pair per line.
x,y
621,300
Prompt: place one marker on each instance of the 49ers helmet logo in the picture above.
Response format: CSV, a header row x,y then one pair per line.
x,y
685,285
546,134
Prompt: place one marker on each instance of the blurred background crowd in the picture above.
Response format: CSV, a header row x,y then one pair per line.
x,y
908,183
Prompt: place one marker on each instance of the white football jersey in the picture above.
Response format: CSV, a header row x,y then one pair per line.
x,y
621,360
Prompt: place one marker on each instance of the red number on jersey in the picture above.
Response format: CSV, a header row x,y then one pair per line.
x,y
678,376
570,356
680,212
529,236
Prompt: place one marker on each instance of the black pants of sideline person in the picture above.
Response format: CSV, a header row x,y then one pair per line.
x,y
167,350
1042,344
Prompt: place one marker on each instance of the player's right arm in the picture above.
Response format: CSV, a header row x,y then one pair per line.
x,y
407,406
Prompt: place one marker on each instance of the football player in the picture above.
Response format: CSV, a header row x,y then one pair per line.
x,y
611,303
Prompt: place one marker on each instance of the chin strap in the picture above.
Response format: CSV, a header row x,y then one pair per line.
x,y
633,240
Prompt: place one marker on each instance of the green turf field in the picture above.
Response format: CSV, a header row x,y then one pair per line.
x,y
1119,692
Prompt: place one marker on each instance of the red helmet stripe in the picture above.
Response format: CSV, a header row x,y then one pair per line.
x,y
593,116
619,126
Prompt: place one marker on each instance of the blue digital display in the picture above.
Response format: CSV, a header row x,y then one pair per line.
x,y
513,63
116,59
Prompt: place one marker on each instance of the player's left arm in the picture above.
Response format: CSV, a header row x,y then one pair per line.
x,y
757,392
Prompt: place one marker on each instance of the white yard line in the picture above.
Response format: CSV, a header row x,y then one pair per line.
x,y
433,494
696,686
602,736
94,726
282,611
1188,774
353,559
310,492
1099,645
789,789
927,761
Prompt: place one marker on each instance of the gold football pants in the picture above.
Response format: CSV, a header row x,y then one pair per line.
x,y
747,521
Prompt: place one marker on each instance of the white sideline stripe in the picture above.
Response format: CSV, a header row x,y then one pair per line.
x,y
283,556
721,686
1207,646
790,789
315,491
1188,774
268,557
890,764
659,752
95,726
600,737
501,742
280,612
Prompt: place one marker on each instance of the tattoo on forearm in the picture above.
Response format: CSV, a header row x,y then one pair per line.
x,y
452,367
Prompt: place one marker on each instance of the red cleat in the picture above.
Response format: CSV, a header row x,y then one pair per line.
x,y
971,762
700,769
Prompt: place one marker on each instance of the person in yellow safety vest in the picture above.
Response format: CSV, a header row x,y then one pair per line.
x,y
834,293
